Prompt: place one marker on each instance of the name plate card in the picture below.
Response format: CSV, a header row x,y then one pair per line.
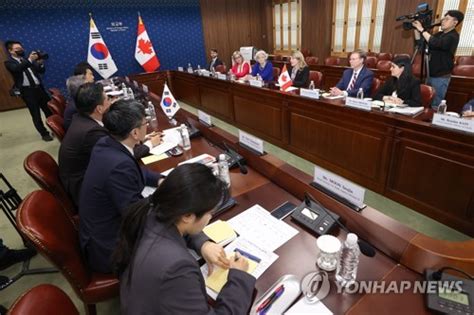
x,y
205,118
221,76
250,141
190,70
145,88
310,93
340,186
256,83
461,124
181,69
359,103
205,73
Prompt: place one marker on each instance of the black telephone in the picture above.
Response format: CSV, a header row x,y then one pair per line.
x,y
314,217
234,158
193,131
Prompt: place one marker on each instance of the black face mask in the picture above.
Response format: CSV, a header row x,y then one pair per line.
x,y
20,53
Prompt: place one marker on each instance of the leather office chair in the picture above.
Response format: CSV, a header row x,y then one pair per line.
x,y
44,299
56,108
278,57
464,70
374,54
54,91
56,124
317,78
276,73
221,69
416,69
465,60
371,62
43,221
384,65
427,95
312,60
375,86
385,56
306,52
402,55
60,99
332,61
44,170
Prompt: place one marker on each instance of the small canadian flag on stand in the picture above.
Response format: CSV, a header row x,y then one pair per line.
x,y
284,79
144,52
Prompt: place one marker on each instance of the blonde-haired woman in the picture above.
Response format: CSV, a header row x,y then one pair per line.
x,y
262,67
299,70
240,67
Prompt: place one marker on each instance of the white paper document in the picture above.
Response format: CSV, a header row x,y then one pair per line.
x,y
147,191
302,308
263,229
171,139
409,111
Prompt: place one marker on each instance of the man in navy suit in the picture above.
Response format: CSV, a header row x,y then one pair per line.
x,y
358,76
113,181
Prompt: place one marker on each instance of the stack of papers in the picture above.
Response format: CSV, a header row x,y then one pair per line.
x,y
171,138
302,307
409,111
329,97
220,232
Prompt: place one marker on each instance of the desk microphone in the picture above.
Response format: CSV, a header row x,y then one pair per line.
x,y
243,169
437,275
365,248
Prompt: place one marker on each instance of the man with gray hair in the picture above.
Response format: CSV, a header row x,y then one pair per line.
x,y
73,84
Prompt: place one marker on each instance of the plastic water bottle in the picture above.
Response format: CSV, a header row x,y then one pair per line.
x,y
360,93
349,261
185,137
311,85
224,169
259,78
190,69
125,91
442,107
130,94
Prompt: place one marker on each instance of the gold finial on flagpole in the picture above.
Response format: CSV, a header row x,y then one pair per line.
x,y
90,14
139,13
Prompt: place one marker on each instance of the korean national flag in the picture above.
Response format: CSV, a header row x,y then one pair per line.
x,y
168,103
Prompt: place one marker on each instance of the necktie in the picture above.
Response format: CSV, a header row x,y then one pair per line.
x,y
29,76
353,81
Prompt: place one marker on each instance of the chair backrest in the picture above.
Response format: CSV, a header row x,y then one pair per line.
x,y
56,108
56,124
375,86
278,57
416,69
371,62
60,99
317,78
332,61
312,60
371,53
306,52
464,70
44,299
465,60
276,73
42,220
402,55
45,172
427,95
385,56
221,69
384,65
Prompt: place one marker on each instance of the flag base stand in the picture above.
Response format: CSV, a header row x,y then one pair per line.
x,y
172,121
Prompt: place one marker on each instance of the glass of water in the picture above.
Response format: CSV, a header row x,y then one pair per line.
x,y
329,248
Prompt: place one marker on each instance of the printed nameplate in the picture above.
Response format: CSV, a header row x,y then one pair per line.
x,y
251,141
205,118
221,76
256,83
358,103
310,93
461,124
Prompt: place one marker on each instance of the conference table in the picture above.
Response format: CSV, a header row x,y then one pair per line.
x,y
402,253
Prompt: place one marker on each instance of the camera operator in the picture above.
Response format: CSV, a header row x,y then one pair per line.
x,y
27,83
442,47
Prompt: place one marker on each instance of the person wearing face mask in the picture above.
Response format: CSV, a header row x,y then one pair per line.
x,y
113,181
157,273
442,47
402,87
358,76
27,82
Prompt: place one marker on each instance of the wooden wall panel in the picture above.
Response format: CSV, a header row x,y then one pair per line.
x,y
316,20
7,102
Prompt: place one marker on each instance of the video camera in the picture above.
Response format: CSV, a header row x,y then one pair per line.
x,y
423,14
41,54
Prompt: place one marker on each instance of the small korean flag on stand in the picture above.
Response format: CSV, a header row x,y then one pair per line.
x,y
168,103
284,79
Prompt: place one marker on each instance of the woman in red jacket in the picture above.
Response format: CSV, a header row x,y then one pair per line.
x,y
240,67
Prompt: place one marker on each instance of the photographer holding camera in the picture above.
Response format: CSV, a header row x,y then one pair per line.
x,y
27,83
442,47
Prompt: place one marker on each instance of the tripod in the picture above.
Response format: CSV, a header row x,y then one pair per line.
x,y
423,49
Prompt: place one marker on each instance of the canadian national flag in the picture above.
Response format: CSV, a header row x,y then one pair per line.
x,y
284,79
144,52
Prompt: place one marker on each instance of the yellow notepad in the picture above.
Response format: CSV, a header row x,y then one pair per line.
x,y
220,231
153,158
218,278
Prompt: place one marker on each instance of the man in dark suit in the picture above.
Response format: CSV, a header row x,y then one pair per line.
x,y
113,181
358,76
215,61
85,130
27,82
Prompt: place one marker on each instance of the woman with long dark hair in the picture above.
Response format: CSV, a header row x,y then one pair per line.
x,y
402,87
157,273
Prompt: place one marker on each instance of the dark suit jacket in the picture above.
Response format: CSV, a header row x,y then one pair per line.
x,y
75,151
113,181
17,68
408,90
69,112
218,62
166,279
302,77
364,81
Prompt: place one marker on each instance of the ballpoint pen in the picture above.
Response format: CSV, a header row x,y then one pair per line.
x,y
267,307
281,288
248,255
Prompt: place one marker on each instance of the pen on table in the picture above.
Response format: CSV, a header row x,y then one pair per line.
x,y
281,288
269,304
248,255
